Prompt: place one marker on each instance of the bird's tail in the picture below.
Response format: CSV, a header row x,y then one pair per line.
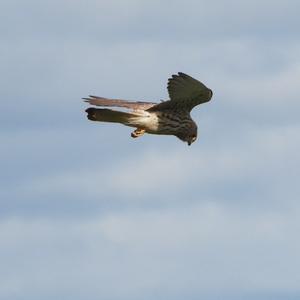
x,y
109,115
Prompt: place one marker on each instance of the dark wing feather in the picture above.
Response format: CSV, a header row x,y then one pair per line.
x,y
185,87
185,93
100,101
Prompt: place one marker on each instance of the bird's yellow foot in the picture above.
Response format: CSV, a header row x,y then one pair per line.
x,y
138,132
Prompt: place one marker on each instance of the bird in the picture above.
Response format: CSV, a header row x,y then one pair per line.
x,y
170,117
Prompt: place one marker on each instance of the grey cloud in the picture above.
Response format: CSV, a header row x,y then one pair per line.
x,y
133,19
191,244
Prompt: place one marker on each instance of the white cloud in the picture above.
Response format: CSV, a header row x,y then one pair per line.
x,y
258,151
258,156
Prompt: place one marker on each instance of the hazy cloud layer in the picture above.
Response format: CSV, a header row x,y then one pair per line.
x,y
125,255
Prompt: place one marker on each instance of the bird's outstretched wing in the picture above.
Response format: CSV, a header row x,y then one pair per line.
x,y
134,105
183,87
185,93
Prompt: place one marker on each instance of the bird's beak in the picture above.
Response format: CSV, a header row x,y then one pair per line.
x,y
191,141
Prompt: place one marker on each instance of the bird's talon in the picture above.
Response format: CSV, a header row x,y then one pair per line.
x,y
138,132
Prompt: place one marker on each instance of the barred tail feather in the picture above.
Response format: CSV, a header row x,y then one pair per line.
x,y
108,115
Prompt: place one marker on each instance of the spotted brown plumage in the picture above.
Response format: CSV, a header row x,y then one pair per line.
x,y
170,117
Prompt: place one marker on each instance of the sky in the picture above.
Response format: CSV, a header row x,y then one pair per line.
x,y
87,212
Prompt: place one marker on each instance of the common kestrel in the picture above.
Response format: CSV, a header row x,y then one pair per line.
x,y
171,117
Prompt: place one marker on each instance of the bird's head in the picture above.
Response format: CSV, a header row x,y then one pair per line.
x,y
191,139
188,134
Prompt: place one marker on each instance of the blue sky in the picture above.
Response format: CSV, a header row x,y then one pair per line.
x,y
89,213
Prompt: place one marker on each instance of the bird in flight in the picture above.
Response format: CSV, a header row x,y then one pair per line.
x,y
171,117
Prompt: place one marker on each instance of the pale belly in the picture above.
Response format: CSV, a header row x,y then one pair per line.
x,y
144,120
152,122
